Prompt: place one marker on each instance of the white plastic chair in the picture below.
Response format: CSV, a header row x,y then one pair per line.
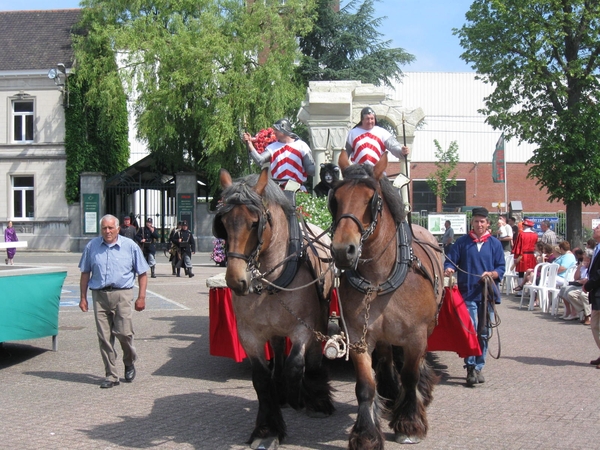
x,y
509,281
546,287
556,300
527,287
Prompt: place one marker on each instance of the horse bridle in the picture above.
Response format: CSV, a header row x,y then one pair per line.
x,y
376,204
264,218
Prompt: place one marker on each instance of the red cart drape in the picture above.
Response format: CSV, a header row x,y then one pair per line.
x,y
223,335
454,331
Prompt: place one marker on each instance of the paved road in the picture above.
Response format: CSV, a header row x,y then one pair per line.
x,y
541,393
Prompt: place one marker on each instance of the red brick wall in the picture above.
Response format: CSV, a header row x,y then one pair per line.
x,y
482,191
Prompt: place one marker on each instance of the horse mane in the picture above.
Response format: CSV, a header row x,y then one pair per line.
x,y
363,174
241,192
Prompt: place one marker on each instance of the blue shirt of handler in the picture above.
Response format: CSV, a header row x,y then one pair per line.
x,y
474,256
112,265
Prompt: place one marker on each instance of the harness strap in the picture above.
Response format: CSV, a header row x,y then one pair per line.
x,y
294,253
403,261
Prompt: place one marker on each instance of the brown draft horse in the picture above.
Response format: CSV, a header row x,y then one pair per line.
x,y
254,221
369,222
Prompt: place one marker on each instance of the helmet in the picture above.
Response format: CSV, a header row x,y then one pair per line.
x,y
367,111
283,125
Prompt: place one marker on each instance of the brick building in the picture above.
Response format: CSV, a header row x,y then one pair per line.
x,y
450,102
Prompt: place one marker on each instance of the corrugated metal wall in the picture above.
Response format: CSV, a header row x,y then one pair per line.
x,y
450,102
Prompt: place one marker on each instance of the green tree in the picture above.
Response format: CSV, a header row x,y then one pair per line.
x,y
542,56
346,45
96,132
444,178
198,72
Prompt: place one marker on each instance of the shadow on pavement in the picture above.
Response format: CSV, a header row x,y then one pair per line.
x,y
11,354
67,376
540,361
229,425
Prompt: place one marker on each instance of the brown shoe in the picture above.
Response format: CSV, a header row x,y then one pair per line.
x,y
595,362
586,320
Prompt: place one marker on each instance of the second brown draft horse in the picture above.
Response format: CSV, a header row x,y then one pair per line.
x,y
390,291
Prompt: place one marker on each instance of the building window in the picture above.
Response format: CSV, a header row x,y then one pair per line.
x,y
23,190
425,200
457,197
22,120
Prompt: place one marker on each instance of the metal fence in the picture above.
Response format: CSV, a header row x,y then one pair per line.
x,y
558,221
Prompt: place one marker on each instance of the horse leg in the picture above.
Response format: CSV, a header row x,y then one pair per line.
x,y
270,427
366,433
409,417
292,374
388,384
277,363
316,390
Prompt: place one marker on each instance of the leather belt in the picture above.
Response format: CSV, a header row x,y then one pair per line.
x,y
111,288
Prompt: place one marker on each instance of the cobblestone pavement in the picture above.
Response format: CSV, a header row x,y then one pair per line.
x,y
542,392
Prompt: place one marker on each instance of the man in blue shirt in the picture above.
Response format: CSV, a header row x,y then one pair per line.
x,y
477,254
108,267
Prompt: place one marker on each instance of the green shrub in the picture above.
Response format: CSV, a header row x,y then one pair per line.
x,y
314,209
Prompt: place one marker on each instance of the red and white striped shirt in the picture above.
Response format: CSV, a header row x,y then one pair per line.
x,y
286,160
367,145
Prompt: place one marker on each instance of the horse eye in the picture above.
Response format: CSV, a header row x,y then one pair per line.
x,y
254,224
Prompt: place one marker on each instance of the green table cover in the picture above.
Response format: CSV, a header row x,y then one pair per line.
x,y
29,305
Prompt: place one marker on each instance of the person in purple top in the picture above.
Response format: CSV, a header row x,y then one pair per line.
x,y
10,235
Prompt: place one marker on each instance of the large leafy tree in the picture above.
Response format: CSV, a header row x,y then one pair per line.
x,y
542,56
198,72
96,132
346,45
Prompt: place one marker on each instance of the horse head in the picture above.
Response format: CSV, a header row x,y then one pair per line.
x,y
242,220
356,205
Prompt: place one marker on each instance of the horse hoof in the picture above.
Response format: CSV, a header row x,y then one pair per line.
x,y
268,443
404,439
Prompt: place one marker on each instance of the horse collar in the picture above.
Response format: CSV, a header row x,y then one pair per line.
x,y
403,260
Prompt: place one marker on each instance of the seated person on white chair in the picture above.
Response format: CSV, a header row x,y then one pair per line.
x,y
565,261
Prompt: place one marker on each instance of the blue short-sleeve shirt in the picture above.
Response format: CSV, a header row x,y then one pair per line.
x,y
113,265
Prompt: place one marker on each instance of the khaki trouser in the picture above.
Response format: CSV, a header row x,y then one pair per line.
x,y
580,302
113,312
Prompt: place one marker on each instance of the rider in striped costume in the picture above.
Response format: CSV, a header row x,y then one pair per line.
x,y
367,141
289,157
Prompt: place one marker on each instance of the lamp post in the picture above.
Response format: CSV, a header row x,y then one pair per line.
x,y
56,74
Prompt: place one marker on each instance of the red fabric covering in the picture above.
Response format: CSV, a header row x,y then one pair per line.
x,y
223,338
223,335
334,306
454,331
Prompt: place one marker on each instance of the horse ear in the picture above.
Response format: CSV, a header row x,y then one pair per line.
x,y
261,184
380,167
343,160
225,178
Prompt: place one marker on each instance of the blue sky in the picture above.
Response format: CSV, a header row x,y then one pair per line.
x,y
422,27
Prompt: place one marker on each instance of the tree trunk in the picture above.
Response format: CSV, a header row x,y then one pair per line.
x,y
574,224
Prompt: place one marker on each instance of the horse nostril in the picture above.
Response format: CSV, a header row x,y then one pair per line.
x,y
351,250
